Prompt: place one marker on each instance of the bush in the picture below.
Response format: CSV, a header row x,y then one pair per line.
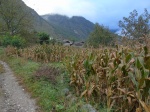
x,y
43,38
5,41
18,41
15,41
48,73
52,41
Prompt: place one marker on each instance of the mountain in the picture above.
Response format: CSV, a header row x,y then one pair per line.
x,y
76,27
38,23
22,18
57,26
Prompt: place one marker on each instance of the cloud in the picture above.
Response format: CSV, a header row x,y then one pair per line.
x,y
68,7
107,12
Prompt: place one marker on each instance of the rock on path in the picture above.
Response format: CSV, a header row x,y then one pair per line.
x,y
13,98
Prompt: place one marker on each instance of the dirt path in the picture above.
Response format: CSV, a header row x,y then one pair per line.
x,y
13,98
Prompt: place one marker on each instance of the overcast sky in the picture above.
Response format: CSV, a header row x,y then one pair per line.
x,y
106,12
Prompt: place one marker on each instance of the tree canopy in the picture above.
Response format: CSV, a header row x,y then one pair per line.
x,y
13,17
100,36
135,26
43,38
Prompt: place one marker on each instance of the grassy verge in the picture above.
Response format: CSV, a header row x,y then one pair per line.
x,y
47,95
1,53
1,69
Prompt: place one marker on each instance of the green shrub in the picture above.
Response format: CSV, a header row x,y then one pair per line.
x,y
15,41
43,38
6,40
52,41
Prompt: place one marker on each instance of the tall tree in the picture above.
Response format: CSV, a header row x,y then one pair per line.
x,y
43,38
100,36
135,26
14,16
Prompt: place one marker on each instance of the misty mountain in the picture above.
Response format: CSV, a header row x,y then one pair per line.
x,y
39,24
76,27
59,26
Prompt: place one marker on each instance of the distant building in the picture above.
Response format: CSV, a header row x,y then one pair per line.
x,y
75,44
67,43
78,44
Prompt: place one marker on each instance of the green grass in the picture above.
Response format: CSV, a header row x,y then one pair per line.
x,y
46,93
1,69
1,53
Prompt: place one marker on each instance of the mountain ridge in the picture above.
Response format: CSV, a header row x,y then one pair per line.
x,y
74,27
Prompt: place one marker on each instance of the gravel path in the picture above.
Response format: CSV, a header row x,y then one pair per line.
x,y
13,98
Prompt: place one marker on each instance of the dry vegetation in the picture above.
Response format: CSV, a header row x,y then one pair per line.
x,y
117,78
1,69
48,73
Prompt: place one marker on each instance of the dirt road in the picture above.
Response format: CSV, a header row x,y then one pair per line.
x,y
13,98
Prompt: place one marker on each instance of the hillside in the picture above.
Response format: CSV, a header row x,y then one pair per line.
x,y
76,27
39,24
57,26
21,12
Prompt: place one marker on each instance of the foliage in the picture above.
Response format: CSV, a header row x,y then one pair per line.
x,y
18,41
53,41
15,17
48,73
5,40
2,53
15,41
30,37
43,38
100,36
136,26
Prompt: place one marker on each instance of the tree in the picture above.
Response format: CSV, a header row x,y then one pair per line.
x,y
44,38
15,41
135,26
14,16
100,35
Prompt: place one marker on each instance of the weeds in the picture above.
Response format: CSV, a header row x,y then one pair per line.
x,y
1,69
48,73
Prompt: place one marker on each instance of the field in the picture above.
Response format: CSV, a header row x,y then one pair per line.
x,y
115,79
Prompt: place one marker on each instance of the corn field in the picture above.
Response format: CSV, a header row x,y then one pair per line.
x,y
40,53
118,78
